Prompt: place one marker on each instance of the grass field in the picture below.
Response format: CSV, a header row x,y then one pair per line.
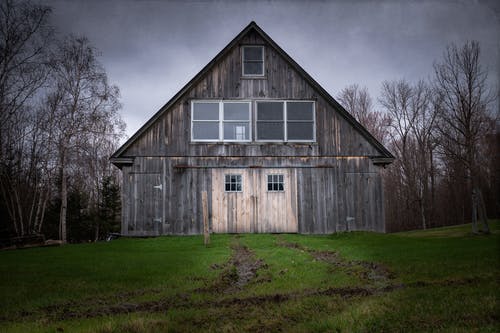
x,y
440,280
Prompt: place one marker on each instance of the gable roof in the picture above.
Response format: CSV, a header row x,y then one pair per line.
x,y
385,158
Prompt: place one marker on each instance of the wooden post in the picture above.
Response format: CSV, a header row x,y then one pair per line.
x,y
206,232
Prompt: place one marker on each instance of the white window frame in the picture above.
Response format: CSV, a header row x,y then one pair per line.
x,y
243,61
221,135
194,121
285,120
230,175
272,182
221,120
257,120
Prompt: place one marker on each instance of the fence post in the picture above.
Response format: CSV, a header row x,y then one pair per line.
x,y
206,232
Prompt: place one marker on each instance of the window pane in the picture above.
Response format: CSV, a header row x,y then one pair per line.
x,y
205,111
270,111
270,131
236,131
253,53
299,110
236,111
232,183
275,183
300,131
253,68
206,130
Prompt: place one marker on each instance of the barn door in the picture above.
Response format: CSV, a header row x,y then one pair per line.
x,y
275,191
147,200
254,200
361,203
232,205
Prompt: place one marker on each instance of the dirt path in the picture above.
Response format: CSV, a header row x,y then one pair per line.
x,y
240,270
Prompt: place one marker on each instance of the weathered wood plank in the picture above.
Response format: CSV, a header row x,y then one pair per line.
x,y
326,182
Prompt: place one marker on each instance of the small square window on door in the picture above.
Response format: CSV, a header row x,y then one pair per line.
x,y
275,183
232,183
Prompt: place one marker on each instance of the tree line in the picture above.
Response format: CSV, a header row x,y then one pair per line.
x,y
59,123
444,135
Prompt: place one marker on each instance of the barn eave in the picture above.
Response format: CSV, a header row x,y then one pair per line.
x,y
119,162
385,155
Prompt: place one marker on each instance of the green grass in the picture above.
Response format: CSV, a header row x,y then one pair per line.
x,y
444,280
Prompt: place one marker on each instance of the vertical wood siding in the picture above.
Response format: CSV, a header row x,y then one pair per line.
x,y
331,184
254,209
170,135
322,195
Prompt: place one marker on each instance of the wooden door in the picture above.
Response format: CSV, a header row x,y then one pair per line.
x,y
275,191
361,203
147,208
256,207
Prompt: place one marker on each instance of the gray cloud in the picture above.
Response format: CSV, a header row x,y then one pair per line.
x,y
150,49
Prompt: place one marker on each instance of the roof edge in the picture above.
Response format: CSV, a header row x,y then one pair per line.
x,y
385,152
181,92
252,25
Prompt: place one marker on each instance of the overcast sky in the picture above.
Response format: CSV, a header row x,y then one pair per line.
x,y
151,49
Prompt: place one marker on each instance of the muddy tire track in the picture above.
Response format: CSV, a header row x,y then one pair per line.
x,y
240,270
235,303
368,272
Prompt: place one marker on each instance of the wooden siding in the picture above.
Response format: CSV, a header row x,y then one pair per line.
x,y
254,209
332,184
331,194
170,135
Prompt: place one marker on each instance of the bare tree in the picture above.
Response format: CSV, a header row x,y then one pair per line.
x,y
25,39
412,125
358,102
83,102
464,117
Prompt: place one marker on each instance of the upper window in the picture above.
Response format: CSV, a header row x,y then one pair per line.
x,y
220,121
253,60
205,121
270,121
285,121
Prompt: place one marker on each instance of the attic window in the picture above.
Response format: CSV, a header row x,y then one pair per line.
x,y
253,60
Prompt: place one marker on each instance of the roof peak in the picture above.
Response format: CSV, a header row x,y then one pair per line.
x,y
295,65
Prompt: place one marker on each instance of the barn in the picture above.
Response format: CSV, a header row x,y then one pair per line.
x,y
273,150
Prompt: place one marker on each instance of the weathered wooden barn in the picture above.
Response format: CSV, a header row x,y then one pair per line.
x,y
274,151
